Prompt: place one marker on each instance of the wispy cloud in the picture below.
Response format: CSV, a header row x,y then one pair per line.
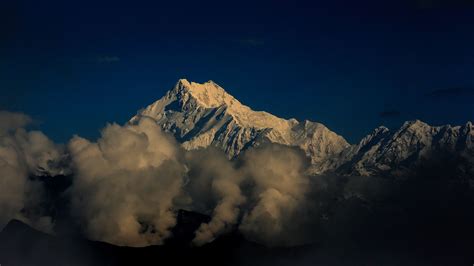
x,y
107,59
450,93
253,42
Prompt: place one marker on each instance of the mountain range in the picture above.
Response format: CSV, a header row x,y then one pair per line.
x,y
203,115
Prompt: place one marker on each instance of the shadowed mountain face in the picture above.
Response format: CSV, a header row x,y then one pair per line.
x,y
416,146
422,220
203,115
22,245
398,197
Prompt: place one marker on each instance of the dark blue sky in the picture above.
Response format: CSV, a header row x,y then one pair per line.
x,y
352,65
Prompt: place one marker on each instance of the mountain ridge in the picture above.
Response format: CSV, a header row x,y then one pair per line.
x,y
203,115
400,151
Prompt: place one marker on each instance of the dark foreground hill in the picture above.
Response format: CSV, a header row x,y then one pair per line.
x,y
22,245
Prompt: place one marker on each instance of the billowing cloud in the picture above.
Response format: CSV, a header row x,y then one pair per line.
x,y
214,181
22,154
129,184
125,184
262,193
12,121
279,188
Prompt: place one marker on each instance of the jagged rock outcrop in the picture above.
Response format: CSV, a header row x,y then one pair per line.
x,y
408,148
201,115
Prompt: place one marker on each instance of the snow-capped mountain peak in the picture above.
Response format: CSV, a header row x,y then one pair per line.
x,y
203,115
402,150
200,115
208,94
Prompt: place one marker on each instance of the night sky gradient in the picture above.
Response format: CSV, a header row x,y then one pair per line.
x,y
352,65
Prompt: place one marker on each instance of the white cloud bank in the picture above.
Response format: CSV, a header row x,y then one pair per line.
x,y
129,184
125,184
24,153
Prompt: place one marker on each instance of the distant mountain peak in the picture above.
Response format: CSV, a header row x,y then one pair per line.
x,y
208,94
379,129
414,124
409,147
204,114
200,115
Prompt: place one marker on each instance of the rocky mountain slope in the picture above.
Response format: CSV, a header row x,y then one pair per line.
x,y
414,145
202,115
